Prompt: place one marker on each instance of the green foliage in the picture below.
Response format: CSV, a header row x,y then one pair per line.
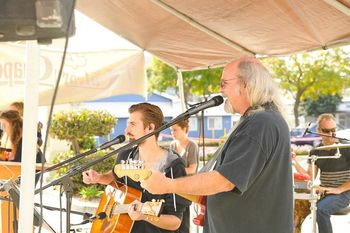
x,y
210,143
85,123
87,142
101,167
200,82
161,76
322,104
311,75
91,191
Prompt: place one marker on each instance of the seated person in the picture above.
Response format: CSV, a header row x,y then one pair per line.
x,y
334,177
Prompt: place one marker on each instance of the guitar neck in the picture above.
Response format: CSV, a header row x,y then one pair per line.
x,y
121,209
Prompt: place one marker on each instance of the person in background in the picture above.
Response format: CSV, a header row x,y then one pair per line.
x,y
19,107
251,187
334,177
13,127
187,149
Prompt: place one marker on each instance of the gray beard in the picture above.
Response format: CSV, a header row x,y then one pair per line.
x,y
228,107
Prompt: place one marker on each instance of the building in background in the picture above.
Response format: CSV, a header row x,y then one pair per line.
x,y
217,122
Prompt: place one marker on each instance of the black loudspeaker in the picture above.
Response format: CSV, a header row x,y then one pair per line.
x,y
40,20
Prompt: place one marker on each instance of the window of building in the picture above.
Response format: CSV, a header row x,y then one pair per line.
x,y
193,124
215,123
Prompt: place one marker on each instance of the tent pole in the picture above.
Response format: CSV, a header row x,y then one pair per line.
x,y
339,6
180,84
29,137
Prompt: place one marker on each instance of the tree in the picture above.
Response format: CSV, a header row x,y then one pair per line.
x,y
80,126
200,82
323,104
311,75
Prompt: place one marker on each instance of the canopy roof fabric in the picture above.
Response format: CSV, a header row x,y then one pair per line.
x,y
200,33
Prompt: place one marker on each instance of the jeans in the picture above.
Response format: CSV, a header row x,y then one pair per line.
x,y
327,206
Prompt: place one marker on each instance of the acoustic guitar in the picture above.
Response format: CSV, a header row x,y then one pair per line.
x,y
136,171
113,208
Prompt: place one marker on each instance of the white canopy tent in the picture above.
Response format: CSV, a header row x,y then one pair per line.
x,y
197,34
97,65
201,33
86,75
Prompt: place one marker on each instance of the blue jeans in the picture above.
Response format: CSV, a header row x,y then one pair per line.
x,y
327,206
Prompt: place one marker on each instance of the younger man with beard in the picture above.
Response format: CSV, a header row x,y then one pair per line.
x,y
144,118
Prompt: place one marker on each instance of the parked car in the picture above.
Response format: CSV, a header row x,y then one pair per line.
x,y
297,137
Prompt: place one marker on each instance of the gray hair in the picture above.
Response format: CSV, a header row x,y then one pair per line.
x,y
260,85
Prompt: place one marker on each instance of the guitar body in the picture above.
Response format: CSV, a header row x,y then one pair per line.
x,y
112,197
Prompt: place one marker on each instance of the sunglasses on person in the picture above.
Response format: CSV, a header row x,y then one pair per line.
x,y
329,130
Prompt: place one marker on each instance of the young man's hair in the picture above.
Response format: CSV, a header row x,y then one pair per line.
x,y
185,125
151,114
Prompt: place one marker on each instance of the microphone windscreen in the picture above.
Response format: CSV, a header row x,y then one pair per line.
x,y
218,100
121,138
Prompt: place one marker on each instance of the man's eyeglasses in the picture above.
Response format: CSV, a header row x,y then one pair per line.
x,y
329,130
223,82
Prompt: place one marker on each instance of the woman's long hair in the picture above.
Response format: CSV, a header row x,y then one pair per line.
x,y
16,123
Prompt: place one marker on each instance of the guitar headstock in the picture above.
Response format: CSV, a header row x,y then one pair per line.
x,y
135,169
152,209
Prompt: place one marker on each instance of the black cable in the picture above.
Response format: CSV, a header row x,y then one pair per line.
x,y
53,100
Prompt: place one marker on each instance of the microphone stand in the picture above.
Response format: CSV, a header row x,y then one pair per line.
x,y
326,135
79,156
67,183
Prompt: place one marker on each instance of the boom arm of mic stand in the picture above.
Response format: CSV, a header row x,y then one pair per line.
x,y
83,167
326,135
77,157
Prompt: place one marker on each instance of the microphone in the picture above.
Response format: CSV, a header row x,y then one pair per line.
x,y
118,139
215,101
307,129
101,215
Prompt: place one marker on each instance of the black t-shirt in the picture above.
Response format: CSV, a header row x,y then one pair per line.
x,y
174,165
256,158
334,171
